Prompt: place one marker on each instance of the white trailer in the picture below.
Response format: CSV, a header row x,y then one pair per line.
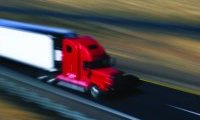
x,y
27,47
32,44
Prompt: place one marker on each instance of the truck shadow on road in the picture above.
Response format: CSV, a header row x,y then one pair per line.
x,y
125,94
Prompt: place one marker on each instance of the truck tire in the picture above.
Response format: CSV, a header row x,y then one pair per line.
x,y
95,92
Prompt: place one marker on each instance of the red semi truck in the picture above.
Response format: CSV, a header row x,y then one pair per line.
x,y
78,62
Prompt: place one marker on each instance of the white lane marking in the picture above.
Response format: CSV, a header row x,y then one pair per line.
x,y
42,77
189,111
51,80
69,96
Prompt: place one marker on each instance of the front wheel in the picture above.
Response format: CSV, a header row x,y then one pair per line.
x,y
95,92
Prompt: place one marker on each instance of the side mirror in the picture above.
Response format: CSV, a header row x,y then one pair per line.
x,y
113,61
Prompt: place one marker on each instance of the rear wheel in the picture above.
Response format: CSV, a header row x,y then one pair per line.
x,y
95,92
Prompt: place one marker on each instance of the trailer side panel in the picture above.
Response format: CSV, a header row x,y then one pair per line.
x,y
27,47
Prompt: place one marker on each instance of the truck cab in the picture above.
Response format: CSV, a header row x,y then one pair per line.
x,y
86,66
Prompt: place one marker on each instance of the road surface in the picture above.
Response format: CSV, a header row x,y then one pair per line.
x,y
148,102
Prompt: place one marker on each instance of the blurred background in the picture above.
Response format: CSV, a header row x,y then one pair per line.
x,y
156,39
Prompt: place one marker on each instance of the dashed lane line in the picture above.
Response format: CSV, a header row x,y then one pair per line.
x,y
182,109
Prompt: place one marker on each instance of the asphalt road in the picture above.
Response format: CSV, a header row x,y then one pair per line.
x,y
148,102
56,99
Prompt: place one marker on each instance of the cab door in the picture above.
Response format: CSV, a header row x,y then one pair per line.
x,y
71,59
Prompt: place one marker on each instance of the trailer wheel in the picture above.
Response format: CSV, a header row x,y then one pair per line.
x,y
95,92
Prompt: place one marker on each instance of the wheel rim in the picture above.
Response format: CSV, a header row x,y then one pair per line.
x,y
95,91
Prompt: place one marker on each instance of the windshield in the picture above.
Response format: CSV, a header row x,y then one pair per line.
x,y
100,63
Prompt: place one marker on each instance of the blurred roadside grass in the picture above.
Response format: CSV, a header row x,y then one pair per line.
x,y
165,10
13,108
10,111
181,11
170,50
